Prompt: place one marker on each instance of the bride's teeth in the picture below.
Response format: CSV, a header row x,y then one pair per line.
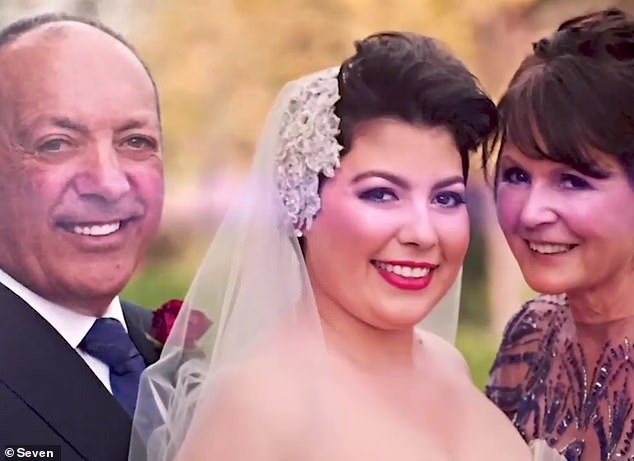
x,y
549,248
404,271
97,230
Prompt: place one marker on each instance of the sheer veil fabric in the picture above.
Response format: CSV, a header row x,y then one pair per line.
x,y
254,286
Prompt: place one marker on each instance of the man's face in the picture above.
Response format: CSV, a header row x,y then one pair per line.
x,y
81,183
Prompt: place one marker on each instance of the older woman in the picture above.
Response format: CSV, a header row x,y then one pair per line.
x,y
564,182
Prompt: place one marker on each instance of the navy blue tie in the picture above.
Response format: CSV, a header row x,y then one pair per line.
x,y
108,341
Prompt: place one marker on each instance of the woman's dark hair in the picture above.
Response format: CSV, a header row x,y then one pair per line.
x,y
574,95
413,78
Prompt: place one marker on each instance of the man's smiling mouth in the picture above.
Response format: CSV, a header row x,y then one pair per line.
x,y
95,229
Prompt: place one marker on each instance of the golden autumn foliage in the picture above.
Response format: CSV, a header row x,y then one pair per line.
x,y
219,63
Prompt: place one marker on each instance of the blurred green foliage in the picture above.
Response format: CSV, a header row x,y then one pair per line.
x,y
479,347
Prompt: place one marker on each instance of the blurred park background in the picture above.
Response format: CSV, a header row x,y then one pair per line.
x,y
219,64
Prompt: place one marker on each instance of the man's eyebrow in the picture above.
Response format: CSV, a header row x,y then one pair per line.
x,y
24,129
67,123
135,123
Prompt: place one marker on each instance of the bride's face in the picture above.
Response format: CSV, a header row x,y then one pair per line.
x,y
393,229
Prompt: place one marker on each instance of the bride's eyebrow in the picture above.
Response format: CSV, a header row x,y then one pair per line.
x,y
448,182
402,182
397,180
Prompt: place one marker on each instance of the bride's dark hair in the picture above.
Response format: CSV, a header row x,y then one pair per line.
x,y
415,79
574,93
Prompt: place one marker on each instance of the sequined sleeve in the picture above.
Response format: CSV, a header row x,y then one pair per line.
x,y
527,336
505,377
553,389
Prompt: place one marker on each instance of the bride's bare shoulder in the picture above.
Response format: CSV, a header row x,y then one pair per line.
x,y
247,412
266,379
441,351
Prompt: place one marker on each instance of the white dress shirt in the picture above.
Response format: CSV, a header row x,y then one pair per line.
x,y
71,325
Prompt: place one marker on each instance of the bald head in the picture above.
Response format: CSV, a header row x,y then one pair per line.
x,y
62,29
62,25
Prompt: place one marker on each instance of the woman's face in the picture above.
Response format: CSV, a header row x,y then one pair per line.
x,y
570,233
393,229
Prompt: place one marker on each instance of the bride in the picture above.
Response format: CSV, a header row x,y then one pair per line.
x,y
352,229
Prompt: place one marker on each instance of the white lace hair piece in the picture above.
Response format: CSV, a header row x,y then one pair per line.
x,y
308,146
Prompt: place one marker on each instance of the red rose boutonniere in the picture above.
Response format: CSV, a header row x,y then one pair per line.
x,y
163,321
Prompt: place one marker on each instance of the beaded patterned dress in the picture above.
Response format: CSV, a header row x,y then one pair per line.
x,y
567,383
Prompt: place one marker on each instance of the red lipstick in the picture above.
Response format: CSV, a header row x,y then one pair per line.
x,y
406,282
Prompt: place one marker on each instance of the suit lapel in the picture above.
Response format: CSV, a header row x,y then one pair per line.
x,y
139,321
38,365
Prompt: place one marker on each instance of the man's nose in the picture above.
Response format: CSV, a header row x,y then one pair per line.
x,y
103,175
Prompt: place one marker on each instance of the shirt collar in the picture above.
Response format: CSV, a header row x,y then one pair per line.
x,y
71,325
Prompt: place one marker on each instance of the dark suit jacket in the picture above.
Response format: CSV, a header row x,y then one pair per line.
x,y
49,395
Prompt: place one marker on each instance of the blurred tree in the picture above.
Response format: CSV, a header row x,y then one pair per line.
x,y
220,63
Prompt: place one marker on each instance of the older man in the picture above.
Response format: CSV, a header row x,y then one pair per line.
x,y
81,196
